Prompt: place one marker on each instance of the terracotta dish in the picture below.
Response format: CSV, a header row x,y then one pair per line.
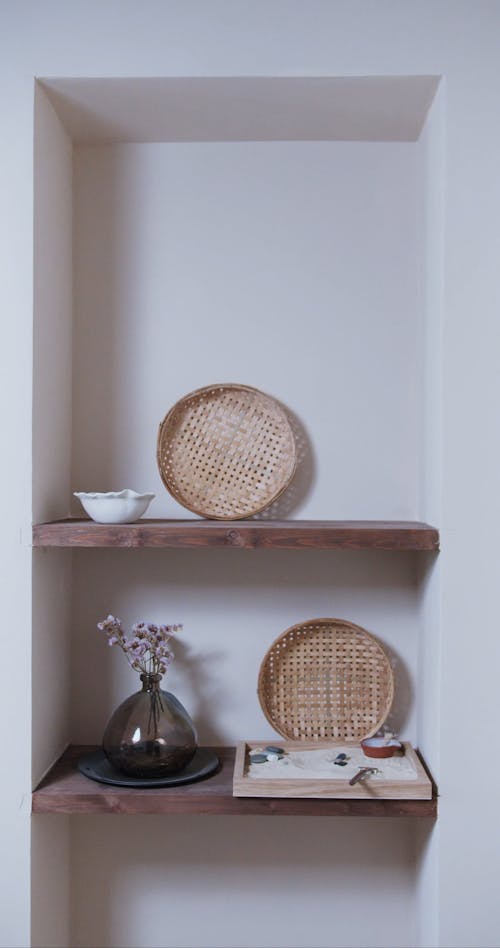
x,y
379,747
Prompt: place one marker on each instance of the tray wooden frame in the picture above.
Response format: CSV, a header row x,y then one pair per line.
x,y
244,786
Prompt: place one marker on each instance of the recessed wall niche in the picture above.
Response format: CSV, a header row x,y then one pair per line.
x,y
273,232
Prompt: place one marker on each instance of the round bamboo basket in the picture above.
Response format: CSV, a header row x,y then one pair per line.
x,y
226,452
326,680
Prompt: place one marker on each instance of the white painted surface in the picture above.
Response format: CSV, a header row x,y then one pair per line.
x,y
431,150
51,656
16,296
246,881
232,609
359,108
52,319
51,882
292,267
51,570
455,38
52,424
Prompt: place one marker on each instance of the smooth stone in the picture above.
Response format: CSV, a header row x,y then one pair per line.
x,y
340,763
258,758
273,750
341,757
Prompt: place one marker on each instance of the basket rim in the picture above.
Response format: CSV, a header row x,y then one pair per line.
x,y
236,386
312,622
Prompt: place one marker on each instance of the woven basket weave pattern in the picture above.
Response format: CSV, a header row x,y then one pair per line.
x,y
226,451
326,679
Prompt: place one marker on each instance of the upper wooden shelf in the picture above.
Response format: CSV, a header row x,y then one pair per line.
x,y
66,790
243,534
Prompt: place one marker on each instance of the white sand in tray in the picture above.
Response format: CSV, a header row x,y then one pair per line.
x,y
318,764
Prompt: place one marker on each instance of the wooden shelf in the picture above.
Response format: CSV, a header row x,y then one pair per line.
x,y
242,534
65,790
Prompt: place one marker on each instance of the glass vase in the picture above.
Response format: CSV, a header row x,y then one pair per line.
x,y
150,734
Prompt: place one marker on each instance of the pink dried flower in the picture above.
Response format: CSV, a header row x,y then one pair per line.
x,y
147,650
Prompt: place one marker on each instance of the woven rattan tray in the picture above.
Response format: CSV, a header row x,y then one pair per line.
x,y
226,451
326,680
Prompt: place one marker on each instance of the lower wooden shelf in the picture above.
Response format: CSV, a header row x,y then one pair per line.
x,y
65,790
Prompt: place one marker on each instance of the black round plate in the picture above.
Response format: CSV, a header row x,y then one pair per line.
x,y
97,767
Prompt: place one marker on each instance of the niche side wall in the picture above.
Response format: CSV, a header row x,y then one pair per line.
x,y
51,570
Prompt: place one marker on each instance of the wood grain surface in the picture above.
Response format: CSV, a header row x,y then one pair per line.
x,y
65,790
241,534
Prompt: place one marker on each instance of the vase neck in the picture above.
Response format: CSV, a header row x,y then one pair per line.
x,y
150,682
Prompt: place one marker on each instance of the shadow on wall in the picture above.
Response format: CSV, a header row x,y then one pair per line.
x,y
403,693
202,681
303,479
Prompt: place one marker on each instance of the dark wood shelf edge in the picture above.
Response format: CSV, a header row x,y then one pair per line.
x,y
65,791
241,534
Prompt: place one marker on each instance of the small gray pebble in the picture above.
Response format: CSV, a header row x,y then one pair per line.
x,y
258,758
341,757
273,750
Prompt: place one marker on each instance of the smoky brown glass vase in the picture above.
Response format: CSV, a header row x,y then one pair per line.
x,y
150,734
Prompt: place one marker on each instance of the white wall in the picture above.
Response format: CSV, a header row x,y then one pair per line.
x,y
51,468
471,502
52,424
431,149
51,883
232,608
291,266
246,881
457,38
53,306
16,297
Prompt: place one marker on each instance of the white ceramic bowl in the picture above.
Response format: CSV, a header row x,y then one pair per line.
x,y
122,506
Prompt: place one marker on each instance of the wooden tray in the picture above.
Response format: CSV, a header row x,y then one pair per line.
x,y
226,451
419,788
